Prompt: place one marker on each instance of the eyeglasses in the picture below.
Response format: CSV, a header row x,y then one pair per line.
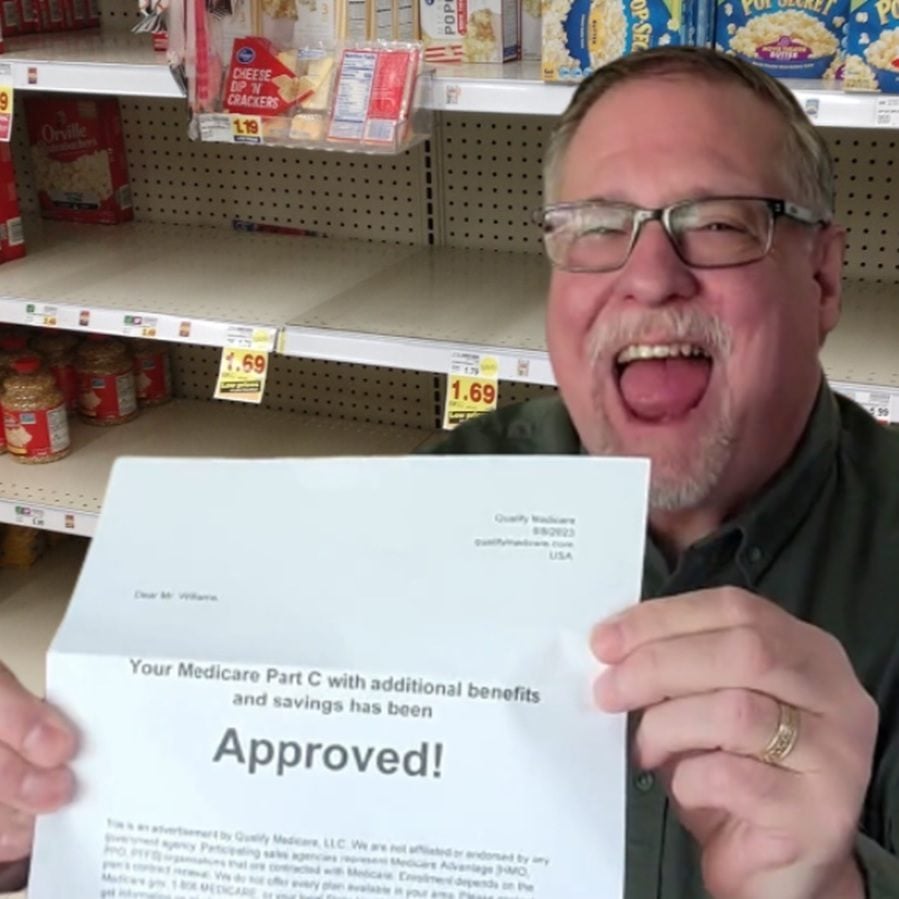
x,y
713,232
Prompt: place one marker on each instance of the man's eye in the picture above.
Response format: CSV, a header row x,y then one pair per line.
x,y
602,231
720,226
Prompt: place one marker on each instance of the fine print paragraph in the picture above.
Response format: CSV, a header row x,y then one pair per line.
x,y
145,861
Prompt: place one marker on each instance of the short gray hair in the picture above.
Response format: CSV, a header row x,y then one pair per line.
x,y
806,156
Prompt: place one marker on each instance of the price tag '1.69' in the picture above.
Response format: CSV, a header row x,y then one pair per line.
x,y
242,375
472,388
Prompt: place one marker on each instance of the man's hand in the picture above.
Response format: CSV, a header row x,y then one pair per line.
x,y
35,745
709,670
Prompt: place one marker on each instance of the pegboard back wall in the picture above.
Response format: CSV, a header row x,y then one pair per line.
x,y
328,389
489,176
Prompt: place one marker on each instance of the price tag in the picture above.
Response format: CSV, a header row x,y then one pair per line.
x,y
246,129
886,113
140,326
6,106
242,375
29,516
472,388
878,404
247,337
42,316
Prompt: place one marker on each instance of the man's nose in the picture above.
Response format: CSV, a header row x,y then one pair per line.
x,y
654,273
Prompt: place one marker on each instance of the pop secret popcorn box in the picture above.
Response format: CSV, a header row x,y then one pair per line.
x,y
78,158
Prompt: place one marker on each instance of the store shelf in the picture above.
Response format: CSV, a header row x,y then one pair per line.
x,y
32,603
415,315
122,64
125,64
192,285
67,495
517,88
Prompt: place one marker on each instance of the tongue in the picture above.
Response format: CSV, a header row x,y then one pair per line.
x,y
659,389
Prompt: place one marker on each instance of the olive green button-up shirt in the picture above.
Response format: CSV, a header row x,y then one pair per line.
x,y
822,541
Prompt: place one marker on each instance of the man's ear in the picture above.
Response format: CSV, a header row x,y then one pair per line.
x,y
828,258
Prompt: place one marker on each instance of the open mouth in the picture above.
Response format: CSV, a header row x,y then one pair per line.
x,y
662,382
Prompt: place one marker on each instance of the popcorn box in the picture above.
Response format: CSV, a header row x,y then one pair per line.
x,y
872,59
78,158
531,29
579,36
12,235
470,30
785,41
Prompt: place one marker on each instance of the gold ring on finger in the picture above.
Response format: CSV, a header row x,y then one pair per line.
x,y
786,735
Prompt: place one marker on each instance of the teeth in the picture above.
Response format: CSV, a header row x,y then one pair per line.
x,y
659,351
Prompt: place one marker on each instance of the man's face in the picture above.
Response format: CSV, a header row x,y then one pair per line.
x,y
716,425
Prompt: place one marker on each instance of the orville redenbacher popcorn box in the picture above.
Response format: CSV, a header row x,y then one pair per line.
x,y
12,236
78,159
470,30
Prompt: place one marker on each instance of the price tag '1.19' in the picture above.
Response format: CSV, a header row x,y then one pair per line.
x,y
242,375
472,388
246,129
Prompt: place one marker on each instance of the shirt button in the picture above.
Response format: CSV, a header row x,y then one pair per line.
x,y
644,781
755,555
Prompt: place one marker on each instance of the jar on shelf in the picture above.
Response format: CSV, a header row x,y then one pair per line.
x,y
106,392
152,372
58,350
34,413
13,345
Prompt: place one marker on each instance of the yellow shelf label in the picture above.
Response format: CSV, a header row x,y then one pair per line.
x,y
246,129
472,388
6,108
242,375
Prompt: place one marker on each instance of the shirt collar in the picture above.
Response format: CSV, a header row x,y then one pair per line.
x,y
756,536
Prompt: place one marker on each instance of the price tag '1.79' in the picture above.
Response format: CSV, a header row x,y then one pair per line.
x,y
472,388
242,375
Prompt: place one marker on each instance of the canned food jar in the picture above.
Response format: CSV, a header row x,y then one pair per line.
x,y
34,413
152,372
58,350
106,391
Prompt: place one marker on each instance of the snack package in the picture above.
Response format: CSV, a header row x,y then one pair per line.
x,y
12,235
373,94
872,60
481,31
579,36
78,158
785,41
21,547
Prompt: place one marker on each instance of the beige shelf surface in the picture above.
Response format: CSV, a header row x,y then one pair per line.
x,y
208,279
415,314
90,62
67,495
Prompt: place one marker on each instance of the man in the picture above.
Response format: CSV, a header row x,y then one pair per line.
x,y
696,274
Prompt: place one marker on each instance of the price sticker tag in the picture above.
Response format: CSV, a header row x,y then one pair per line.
x,y
29,516
886,113
242,375
6,106
246,129
41,315
472,388
248,337
878,404
140,326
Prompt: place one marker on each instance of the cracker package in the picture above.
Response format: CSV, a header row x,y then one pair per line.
x,y
78,159
260,80
872,61
579,36
785,40
479,31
